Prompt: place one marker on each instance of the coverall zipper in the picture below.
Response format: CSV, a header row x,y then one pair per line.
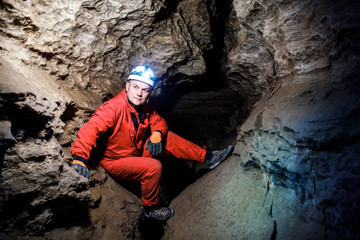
x,y
136,126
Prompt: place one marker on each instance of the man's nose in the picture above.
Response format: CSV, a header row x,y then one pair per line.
x,y
139,92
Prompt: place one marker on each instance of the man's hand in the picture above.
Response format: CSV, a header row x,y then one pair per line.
x,y
154,144
81,168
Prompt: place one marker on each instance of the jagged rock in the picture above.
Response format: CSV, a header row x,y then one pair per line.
x,y
82,40
299,140
34,180
5,133
41,194
291,65
113,213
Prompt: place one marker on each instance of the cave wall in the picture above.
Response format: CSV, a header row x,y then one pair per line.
x,y
80,41
293,172
280,77
59,61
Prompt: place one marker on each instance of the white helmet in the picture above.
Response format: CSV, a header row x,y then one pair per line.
x,y
143,74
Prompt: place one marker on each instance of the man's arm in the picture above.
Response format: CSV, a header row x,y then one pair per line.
x,y
158,129
157,123
87,137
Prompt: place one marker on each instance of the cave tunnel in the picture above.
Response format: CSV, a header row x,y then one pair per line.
x,y
277,80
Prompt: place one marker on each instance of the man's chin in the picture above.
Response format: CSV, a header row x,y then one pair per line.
x,y
137,103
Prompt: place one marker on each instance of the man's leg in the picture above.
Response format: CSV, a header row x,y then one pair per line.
x,y
180,148
145,170
148,172
184,149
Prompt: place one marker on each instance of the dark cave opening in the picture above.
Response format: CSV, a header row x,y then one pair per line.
x,y
215,58
203,121
25,121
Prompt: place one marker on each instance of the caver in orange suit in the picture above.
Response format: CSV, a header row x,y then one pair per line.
x,y
125,157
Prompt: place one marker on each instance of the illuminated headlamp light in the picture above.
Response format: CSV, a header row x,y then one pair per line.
x,y
143,74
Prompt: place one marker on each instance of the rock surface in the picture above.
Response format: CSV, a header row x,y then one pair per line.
x,y
291,175
279,79
83,40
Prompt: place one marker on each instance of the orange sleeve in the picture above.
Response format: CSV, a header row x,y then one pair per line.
x,y
157,123
87,137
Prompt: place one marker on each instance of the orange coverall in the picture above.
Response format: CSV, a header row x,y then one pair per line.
x,y
125,157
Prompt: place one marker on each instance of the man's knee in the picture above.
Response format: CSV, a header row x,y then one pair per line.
x,y
154,168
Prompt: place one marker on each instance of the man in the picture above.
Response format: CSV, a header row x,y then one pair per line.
x,y
137,136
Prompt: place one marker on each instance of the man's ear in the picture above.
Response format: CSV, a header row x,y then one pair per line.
x,y
127,86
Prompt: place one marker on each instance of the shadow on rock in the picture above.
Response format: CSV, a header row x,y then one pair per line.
x,y
151,229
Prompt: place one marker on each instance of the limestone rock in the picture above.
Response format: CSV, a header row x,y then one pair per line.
x,y
299,141
33,181
41,194
284,79
79,41
240,204
5,132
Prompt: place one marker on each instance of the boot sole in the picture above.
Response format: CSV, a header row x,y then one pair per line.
x,y
227,153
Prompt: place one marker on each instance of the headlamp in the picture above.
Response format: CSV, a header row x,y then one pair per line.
x,y
143,74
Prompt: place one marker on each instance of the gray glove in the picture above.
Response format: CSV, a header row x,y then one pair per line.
x,y
154,144
80,167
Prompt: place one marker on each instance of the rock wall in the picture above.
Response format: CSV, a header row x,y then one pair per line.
x,y
279,76
292,172
80,41
59,61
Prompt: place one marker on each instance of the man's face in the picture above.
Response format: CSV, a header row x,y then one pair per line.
x,y
137,92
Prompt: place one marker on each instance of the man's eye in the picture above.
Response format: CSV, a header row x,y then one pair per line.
x,y
136,87
146,90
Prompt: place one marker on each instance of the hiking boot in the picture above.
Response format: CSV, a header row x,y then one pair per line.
x,y
218,156
158,213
